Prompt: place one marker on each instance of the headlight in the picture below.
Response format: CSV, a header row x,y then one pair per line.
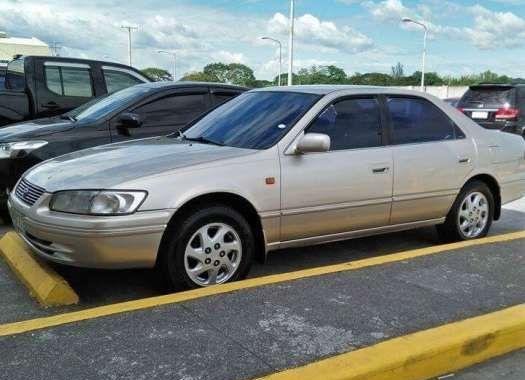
x,y
16,149
97,202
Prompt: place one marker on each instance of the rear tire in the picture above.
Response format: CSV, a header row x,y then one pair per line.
x,y
212,246
471,214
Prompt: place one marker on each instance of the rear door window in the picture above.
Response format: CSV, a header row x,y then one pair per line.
x,y
69,81
488,97
416,120
220,97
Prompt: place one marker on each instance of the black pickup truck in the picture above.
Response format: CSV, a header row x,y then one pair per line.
x,y
36,87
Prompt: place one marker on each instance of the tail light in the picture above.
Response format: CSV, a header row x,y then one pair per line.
x,y
461,109
507,113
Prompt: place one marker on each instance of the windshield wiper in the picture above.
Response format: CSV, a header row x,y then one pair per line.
x,y
200,139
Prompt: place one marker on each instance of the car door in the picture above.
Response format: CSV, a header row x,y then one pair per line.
x,y
432,158
164,114
345,189
64,86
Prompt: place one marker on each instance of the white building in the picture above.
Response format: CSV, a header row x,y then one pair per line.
x,y
11,46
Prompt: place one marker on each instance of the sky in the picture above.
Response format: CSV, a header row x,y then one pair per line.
x,y
358,35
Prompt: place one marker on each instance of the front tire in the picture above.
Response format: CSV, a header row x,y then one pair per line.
x,y
213,246
471,215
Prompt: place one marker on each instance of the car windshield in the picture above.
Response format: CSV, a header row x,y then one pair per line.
x,y
254,120
101,107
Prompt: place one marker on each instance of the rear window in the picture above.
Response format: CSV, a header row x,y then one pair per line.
x,y
487,97
15,77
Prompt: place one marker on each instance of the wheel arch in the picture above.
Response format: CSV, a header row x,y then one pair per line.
x,y
236,202
494,187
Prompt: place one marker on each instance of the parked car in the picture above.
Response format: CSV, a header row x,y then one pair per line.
x,y
273,168
496,106
144,110
36,87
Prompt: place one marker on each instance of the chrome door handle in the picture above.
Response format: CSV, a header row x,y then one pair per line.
x,y
464,160
380,170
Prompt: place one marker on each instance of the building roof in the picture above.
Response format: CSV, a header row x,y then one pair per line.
x,y
22,41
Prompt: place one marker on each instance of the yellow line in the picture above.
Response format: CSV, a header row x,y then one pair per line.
x,y
425,354
47,286
102,311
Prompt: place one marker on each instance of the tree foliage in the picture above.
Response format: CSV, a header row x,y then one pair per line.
x,y
156,74
239,74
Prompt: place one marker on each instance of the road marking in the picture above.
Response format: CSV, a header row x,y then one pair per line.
x,y
425,354
47,286
145,303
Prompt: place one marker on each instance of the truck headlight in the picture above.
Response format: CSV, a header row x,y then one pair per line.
x,y
20,148
97,202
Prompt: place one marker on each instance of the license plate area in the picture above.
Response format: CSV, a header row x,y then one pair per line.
x,y
480,115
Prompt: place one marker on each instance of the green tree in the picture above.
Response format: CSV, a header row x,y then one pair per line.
x,y
156,74
398,72
199,76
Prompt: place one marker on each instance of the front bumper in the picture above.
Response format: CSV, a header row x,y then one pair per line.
x,y
115,242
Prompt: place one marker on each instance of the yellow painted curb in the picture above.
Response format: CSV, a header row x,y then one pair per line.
x,y
49,288
150,302
423,355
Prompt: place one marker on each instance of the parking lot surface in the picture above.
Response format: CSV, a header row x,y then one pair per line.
x,y
270,328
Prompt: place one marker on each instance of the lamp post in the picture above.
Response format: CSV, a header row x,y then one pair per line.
x,y
280,56
290,44
174,55
129,29
409,20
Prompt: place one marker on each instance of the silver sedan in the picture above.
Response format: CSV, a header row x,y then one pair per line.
x,y
274,168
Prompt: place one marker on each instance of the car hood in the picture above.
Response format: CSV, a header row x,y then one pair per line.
x,y
34,129
108,166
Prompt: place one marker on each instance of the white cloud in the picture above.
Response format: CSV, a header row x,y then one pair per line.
x,y
312,31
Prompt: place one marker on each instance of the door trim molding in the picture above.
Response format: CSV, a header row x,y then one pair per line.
x,y
336,206
352,234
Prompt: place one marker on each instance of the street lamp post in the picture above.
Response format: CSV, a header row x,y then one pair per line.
x,y
290,44
409,20
280,55
174,56
129,29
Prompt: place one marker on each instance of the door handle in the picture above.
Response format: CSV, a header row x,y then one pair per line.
x,y
50,105
380,170
464,160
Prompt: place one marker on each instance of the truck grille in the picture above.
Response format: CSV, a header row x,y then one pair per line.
x,y
28,193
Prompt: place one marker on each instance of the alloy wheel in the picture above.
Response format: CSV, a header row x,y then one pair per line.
x,y
473,215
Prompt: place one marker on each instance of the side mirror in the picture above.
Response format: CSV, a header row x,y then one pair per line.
x,y
130,120
313,143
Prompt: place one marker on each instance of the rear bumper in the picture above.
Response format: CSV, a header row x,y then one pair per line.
x,y
130,241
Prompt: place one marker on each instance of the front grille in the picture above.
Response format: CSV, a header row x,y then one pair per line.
x,y
28,193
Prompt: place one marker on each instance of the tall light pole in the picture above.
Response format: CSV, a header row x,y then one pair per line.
x,y
290,43
174,56
129,29
409,20
280,56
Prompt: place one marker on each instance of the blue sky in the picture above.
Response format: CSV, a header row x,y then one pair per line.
x,y
359,35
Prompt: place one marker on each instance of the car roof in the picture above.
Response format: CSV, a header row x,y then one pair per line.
x,y
188,84
348,89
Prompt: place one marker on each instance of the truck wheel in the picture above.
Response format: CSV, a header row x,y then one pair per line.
x,y
471,215
213,246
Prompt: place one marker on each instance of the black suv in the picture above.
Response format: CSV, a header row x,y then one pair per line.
x,y
141,111
496,106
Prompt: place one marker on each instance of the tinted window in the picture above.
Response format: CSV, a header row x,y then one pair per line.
x,y
104,106
222,97
69,81
417,120
351,124
116,80
487,96
175,109
254,120
15,77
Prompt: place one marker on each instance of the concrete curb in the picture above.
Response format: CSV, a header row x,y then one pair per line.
x,y
423,355
49,288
